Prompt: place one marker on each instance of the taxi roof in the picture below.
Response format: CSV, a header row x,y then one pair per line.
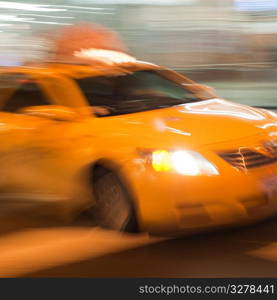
x,y
79,70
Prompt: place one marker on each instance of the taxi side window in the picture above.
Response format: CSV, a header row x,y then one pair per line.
x,y
27,94
98,90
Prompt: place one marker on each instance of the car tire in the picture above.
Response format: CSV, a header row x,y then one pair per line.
x,y
113,205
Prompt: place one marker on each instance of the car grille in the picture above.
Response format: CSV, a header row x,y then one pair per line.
x,y
245,159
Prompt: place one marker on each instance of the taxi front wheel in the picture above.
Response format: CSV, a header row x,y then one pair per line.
x,y
114,208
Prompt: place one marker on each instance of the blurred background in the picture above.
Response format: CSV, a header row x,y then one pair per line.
x,y
228,44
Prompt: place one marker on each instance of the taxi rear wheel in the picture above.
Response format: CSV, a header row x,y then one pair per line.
x,y
114,208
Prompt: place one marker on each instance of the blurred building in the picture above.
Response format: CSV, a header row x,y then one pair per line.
x,y
197,32
210,39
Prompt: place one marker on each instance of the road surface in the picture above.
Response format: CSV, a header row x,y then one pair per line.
x,y
38,249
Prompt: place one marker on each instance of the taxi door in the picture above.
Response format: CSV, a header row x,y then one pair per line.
x,y
31,153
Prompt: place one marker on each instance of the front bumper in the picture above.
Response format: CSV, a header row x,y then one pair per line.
x,y
174,204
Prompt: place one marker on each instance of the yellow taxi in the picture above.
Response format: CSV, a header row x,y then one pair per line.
x,y
140,146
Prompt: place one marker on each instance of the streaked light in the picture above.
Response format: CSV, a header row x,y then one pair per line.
x,y
14,18
47,16
83,7
47,22
28,6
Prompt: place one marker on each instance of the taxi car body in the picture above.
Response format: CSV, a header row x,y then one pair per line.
x,y
143,147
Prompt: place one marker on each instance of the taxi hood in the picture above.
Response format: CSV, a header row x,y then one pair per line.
x,y
200,123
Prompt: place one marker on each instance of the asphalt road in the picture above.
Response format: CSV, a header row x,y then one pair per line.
x,y
36,248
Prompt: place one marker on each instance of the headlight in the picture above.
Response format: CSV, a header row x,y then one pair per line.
x,y
184,162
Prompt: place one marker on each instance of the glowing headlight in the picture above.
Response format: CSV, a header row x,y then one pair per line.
x,y
188,163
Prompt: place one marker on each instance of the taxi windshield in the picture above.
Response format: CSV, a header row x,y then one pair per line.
x,y
136,92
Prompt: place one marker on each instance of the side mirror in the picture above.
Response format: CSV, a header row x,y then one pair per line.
x,y
53,112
